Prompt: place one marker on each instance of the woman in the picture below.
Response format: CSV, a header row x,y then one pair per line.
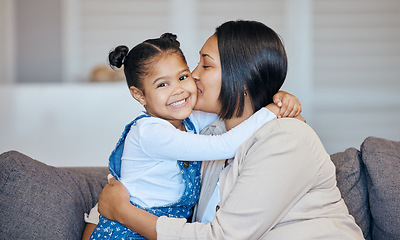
x,y
281,184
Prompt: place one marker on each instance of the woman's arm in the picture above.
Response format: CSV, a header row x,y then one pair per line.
x,y
114,204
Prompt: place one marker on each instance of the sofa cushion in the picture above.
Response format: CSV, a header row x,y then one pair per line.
x,y
351,181
38,201
382,160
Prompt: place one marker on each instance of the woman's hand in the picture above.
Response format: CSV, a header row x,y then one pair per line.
x,y
114,204
113,198
289,105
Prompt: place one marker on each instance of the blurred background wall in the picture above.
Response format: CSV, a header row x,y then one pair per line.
x,y
59,106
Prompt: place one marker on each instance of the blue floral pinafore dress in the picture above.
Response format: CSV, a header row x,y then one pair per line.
x,y
107,229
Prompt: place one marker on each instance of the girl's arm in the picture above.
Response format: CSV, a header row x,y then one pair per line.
x,y
202,119
87,232
157,139
286,105
160,140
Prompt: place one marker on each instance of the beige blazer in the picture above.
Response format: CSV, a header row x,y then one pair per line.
x,y
281,185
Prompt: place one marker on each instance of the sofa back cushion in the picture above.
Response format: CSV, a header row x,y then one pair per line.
x,y
38,201
352,183
382,160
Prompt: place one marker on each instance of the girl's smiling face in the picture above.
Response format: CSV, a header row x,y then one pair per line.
x,y
207,75
169,91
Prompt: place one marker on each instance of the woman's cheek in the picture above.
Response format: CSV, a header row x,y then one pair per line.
x,y
199,102
206,104
203,104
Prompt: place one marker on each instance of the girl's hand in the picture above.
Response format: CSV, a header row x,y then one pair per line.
x,y
300,118
275,109
289,105
113,199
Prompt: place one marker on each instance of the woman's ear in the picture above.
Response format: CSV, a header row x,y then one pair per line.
x,y
138,95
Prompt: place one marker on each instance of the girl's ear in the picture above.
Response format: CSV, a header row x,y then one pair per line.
x,y
138,95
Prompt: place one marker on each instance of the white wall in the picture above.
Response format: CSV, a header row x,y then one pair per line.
x,y
356,71
65,124
343,66
38,22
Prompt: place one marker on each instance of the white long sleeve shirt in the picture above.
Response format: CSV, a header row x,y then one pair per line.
x,y
152,147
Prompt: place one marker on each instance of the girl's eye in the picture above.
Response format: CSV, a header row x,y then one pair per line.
x,y
183,77
161,85
205,67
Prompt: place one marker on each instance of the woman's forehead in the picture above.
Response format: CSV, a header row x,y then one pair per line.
x,y
210,48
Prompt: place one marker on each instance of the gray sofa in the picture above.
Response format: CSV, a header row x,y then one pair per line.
x,y
38,201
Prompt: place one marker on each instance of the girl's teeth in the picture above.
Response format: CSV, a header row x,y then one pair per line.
x,y
177,103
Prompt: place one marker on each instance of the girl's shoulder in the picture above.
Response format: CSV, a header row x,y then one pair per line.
x,y
150,120
143,121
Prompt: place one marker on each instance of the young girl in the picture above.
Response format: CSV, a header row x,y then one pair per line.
x,y
156,156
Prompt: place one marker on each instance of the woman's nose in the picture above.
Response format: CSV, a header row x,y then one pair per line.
x,y
195,74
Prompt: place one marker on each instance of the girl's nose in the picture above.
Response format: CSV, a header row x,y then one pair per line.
x,y
178,89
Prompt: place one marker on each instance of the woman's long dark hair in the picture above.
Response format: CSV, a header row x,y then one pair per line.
x,y
253,62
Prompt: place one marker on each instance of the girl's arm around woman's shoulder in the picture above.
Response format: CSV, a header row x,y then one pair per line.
x,y
160,140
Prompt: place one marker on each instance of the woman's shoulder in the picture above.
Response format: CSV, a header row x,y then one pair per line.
x,y
286,134
290,126
284,140
215,128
